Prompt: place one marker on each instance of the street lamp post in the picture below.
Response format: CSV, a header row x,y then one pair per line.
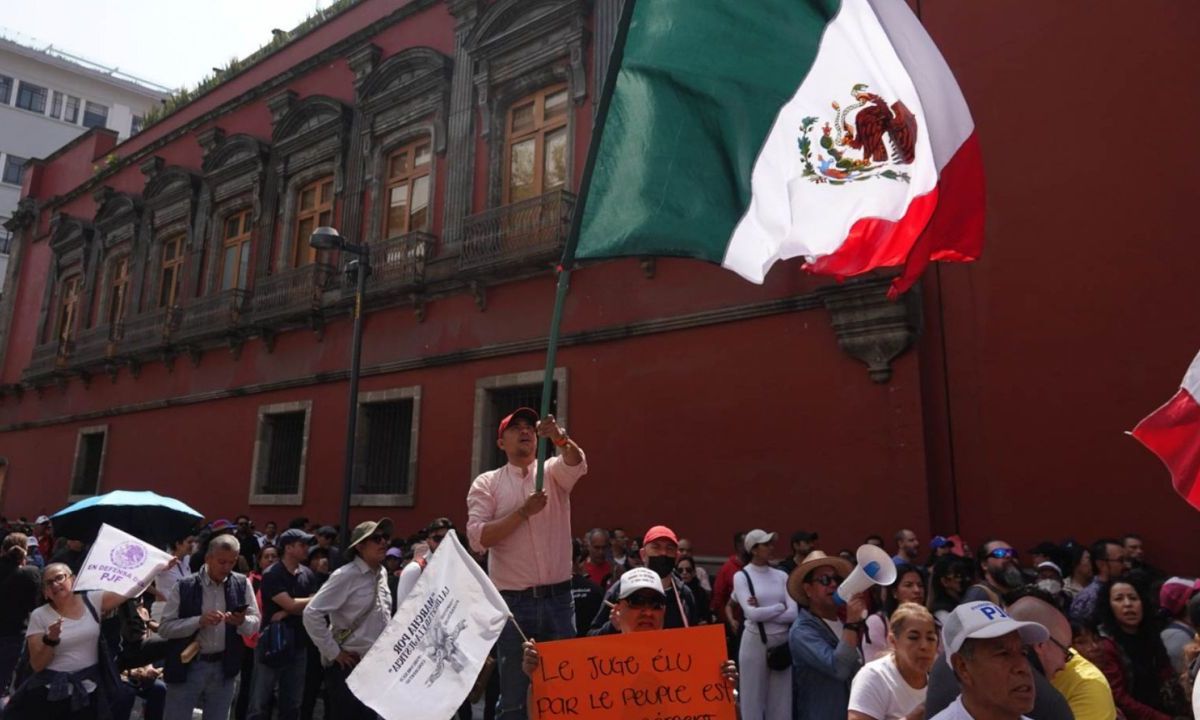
x,y
328,238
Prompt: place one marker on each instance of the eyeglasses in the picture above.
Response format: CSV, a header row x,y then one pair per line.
x,y
56,579
1068,654
1003,554
827,580
653,602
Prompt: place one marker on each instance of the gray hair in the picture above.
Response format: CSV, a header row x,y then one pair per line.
x,y
596,531
224,541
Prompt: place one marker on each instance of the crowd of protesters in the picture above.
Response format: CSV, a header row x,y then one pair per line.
x,y
250,624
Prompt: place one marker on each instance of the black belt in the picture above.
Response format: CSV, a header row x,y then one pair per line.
x,y
211,657
540,591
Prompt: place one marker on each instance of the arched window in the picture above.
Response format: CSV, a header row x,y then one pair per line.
x,y
408,195
235,250
536,145
314,208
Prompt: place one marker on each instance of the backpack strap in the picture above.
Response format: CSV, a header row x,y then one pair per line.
x,y
91,608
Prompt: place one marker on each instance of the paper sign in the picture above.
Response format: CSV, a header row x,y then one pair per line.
x,y
119,562
661,675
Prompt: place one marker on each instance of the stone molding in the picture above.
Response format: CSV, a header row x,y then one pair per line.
x,y
870,327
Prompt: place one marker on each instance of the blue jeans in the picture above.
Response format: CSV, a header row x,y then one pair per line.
x,y
542,619
207,678
289,678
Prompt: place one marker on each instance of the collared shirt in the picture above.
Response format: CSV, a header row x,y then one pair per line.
x,y
354,597
823,665
538,552
956,711
211,637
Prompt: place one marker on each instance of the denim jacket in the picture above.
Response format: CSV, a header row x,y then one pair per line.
x,y
822,668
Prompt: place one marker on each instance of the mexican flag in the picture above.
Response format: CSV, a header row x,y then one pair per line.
x,y
1172,432
743,132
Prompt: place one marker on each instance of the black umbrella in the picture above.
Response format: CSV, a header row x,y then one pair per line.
x,y
146,515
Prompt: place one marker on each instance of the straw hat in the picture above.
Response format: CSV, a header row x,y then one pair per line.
x,y
812,561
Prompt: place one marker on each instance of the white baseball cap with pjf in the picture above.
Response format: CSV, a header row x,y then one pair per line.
x,y
984,620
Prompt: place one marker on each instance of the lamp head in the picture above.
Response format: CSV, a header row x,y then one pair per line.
x,y
325,238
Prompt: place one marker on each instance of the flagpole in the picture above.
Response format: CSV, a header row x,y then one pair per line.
x,y
568,256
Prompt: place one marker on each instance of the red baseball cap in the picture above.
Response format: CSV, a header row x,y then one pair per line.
x,y
659,532
527,413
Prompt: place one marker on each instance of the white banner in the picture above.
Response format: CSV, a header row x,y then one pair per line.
x,y
424,663
118,562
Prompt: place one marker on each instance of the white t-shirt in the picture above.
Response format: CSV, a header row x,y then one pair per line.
x,y
880,691
77,648
956,711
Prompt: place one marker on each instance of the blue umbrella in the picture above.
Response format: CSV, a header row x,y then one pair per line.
x,y
147,515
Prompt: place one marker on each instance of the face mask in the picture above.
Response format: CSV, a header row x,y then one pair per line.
x,y
1050,585
661,564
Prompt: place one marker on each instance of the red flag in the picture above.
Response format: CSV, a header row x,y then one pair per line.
x,y
1172,432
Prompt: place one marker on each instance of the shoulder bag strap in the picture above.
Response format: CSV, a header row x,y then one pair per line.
x,y
762,629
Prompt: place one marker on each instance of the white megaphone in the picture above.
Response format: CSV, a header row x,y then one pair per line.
x,y
875,567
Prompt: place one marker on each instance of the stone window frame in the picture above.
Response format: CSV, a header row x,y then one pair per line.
x,y
413,393
484,428
171,200
234,179
78,459
70,246
118,226
401,100
305,148
258,464
518,47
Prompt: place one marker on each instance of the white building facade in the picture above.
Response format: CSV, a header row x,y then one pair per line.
x,y
47,100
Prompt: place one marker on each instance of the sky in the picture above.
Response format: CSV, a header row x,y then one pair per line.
x,y
170,42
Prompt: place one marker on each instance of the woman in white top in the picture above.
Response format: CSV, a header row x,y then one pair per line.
x,y
909,587
765,694
892,687
63,637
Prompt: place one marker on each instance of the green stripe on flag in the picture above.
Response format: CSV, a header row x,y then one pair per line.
x,y
697,91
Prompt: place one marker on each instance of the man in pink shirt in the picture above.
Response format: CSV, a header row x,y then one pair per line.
x,y
527,535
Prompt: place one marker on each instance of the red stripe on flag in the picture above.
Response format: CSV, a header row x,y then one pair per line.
x,y
955,232
875,243
1172,432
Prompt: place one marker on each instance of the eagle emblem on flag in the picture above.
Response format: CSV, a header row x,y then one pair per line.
x,y
867,139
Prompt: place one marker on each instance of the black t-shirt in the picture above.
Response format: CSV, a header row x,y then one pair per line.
x,y
20,591
277,579
587,596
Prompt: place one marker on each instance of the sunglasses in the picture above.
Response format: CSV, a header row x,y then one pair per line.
x,y
1003,554
378,538
438,538
827,580
685,570
1067,652
652,602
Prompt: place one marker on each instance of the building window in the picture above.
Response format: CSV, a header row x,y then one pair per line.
x,y
408,189
386,447
496,397
56,104
71,113
135,125
89,461
235,253
280,452
13,166
6,86
95,115
315,203
119,296
69,308
536,145
31,97
172,271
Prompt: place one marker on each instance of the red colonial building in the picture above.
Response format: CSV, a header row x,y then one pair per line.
x,y
166,325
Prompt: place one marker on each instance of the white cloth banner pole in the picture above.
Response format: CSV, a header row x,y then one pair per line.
x,y
426,660
119,562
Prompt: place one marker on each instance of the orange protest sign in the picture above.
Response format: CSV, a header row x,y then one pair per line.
x,y
660,675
